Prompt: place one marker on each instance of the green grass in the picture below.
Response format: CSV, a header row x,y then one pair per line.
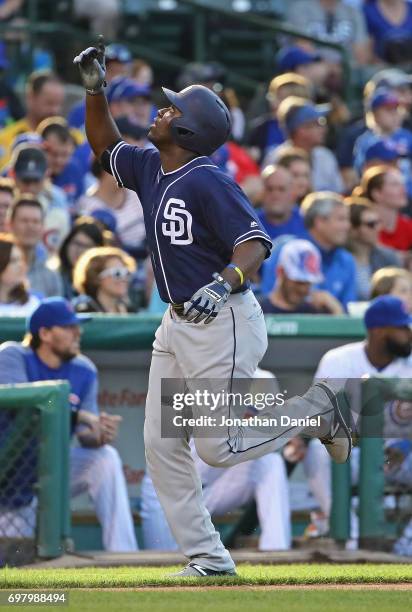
x,y
232,601
94,578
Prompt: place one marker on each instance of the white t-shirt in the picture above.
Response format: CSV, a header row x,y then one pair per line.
x,y
129,217
351,361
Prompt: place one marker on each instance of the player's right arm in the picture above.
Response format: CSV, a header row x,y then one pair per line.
x,y
101,129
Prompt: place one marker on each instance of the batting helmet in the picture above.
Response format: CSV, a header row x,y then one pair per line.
x,y
205,122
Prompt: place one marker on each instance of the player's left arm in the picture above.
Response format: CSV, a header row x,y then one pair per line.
x,y
246,261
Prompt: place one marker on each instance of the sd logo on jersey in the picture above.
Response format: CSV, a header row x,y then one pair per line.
x,y
179,226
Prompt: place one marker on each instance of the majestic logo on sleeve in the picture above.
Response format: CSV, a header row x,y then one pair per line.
x,y
178,224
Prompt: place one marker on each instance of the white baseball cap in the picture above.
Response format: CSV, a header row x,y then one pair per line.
x,y
301,261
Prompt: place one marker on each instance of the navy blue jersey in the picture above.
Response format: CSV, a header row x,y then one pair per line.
x,y
195,217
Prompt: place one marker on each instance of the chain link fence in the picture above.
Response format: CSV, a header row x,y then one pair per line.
x,y
34,439
19,447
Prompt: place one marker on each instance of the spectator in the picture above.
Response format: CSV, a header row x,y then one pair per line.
x,y
385,186
128,99
26,222
15,296
7,194
333,21
384,120
59,146
29,168
384,353
400,83
327,220
265,132
298,269
393,281
363,244
51,351
280,213
102,276
44,98
305,63
395,80
298,163
382,152
389,23
305,126
85,234
124,204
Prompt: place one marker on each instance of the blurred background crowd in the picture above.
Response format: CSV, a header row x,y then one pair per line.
x,y
320,164
321,143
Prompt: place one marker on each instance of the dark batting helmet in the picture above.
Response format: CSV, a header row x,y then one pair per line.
x,y
205,122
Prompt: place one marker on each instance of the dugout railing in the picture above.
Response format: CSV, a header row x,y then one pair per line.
x,y
371,487
34,471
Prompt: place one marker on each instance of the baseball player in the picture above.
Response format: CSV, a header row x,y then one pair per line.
x,y
205,242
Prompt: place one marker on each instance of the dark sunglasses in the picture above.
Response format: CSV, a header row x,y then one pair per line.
x,y
371,224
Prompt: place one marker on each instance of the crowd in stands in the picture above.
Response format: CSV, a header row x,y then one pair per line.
x,y
332,187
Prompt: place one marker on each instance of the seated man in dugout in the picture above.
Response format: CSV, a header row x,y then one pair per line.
x,y
51,351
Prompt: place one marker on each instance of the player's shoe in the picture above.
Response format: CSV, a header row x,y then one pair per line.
x,y
339,442
193,569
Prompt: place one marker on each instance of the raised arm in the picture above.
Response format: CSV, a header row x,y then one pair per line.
x,y
101,129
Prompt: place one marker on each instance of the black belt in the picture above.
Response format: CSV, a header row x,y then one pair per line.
x,y
179,308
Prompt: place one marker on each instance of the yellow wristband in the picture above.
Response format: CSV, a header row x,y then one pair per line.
x,y
239,271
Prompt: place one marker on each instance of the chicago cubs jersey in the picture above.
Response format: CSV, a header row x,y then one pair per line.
x,y
194,216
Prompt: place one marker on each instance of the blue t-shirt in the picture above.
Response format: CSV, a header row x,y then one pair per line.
x,y
19,364
194,216
383,31
294,225
71,180
338,269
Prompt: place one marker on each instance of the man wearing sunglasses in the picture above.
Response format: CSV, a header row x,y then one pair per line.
x,y
205,242
51,351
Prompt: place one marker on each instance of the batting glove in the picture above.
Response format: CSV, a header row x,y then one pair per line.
x,y
92,68
206,303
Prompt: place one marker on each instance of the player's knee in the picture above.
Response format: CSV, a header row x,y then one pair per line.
x,y
209,453
110,457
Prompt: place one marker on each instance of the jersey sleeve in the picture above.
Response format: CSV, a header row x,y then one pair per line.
x,y
12,365
229,213
130,165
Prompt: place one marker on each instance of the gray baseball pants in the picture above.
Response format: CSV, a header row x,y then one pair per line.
x,y
230,347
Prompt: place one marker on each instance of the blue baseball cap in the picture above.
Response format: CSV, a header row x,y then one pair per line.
x,y
382,150
123,88
387,311
289,58
301,261
54,311
106,217
383,97
303,114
